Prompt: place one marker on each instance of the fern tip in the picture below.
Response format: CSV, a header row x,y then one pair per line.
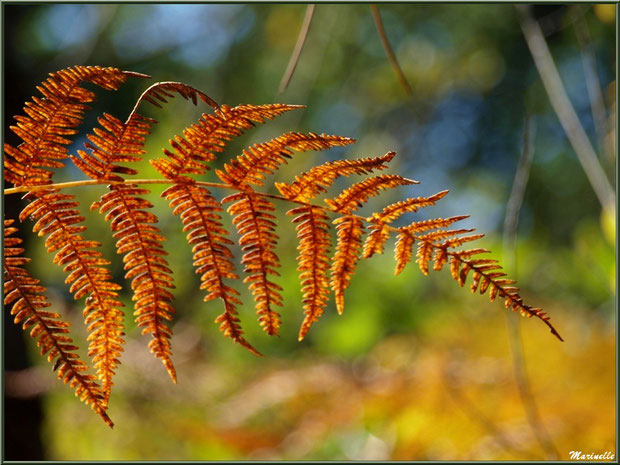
x,y
107,419
170,369
252,349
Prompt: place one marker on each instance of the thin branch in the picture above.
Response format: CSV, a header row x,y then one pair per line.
x,y
564,109
593,83
388,50
301,40
511,223
515,201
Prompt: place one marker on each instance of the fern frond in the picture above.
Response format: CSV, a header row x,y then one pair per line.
x,y
403,250
350,229
254,222
309,184
51,119
314,244
115,142
107,158
191,153
434,223
264,158
355,196
376,239
349,243
436,236
314,241
48,329
439,246
497,285
210,135
406,239
137,238
380,233
396,210
251,168
140,243
159,92
58,218
423,255
458,241
199,213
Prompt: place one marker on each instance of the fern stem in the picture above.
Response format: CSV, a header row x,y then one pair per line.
x,y
95,182
217,185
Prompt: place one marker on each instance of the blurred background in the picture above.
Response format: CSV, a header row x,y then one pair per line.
x,y
416,368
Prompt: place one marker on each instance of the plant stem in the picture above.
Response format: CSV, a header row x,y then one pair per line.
x,y
593,83
511,223
388,50
564,109
301,40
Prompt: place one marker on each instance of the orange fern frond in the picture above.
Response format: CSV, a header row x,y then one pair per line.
x,y
312,225
441,234
199,212
376,239
497,285
355,196
201,140
191,153
349,243
140,243
51,119
311,183
51,332
115,142
433,223
403,250
458,241
58,218
394,211
159,92
423,255
254,222
251,168
314,244
137,238
380,233
110,150
439,246
406,239
264,158
350,229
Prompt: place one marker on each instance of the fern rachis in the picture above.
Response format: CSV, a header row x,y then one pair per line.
x,y
132,219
